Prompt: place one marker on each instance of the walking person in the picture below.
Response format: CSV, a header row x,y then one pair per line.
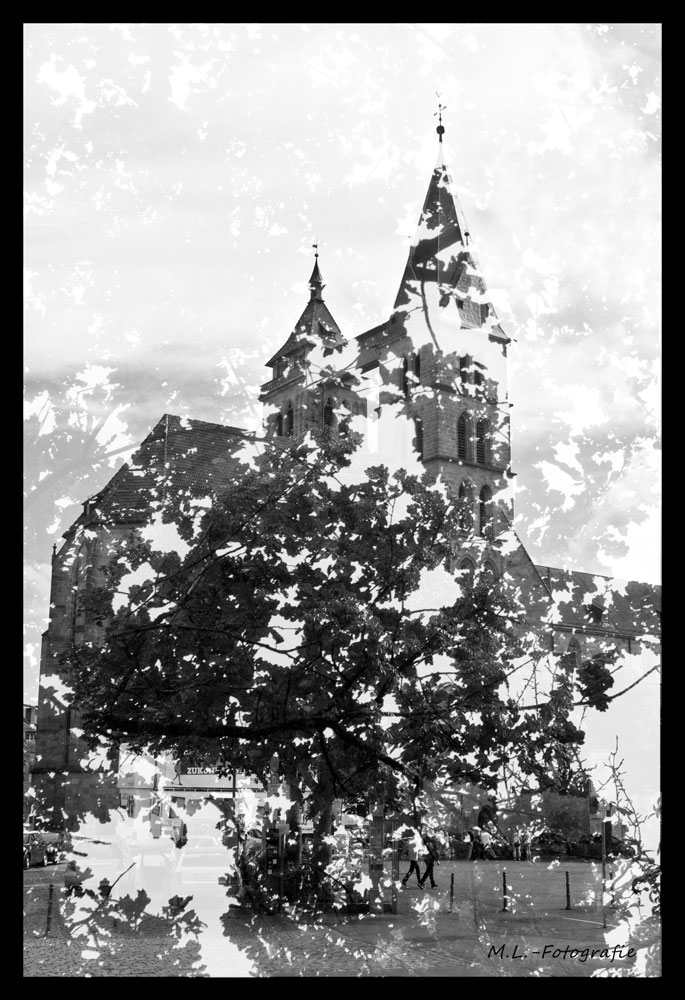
x,y
413,855
517,843
430,858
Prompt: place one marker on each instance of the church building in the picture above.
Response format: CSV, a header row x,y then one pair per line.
x,y
428,385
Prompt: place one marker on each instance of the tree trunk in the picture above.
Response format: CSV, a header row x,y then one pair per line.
x,y
324,795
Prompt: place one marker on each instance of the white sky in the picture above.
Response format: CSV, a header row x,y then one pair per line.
x,y
177,175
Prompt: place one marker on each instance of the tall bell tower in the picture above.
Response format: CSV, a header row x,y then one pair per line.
x,y
441,359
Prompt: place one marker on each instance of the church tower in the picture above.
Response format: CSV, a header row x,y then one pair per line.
x,y
307,393
441,364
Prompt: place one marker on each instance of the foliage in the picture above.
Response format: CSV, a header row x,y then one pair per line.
x,y
299,616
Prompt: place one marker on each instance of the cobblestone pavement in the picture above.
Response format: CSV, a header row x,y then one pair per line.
x,y
478,938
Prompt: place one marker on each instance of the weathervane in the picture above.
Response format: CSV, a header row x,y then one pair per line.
x,y
316,248
441,107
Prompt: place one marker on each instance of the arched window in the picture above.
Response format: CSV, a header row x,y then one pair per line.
x,y
571,658
484,511
464,366
418,439
489,571
328,413
279,424
481,442
463,428
289,420
344,425
469,567
465,507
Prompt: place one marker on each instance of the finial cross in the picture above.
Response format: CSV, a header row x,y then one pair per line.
x,y
441,107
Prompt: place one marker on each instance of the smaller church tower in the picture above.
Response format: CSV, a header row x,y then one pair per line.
x,y
307,394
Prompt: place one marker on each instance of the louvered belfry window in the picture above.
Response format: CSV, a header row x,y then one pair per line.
x,y
465,508
484,510
418,426
462,436
481,442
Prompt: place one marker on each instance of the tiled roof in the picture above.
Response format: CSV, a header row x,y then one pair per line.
x,y
316,325
622,606
179,456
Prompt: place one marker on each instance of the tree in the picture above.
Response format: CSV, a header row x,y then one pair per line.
x,y
311,613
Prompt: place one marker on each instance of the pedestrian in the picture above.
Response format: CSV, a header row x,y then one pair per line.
x,y
467,837
430,858
517,843
486,841
413,855
525,846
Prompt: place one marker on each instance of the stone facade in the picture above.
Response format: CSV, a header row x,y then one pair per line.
x,y
439,359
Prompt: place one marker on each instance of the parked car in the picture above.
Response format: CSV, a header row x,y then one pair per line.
x,y
56,846
35,849
551,843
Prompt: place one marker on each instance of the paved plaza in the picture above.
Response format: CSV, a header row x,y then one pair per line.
x,y
430,935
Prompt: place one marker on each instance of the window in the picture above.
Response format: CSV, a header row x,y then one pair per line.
x,y
417,366
418,440
469,567
481,442
489,571
280,368
464,366
404,381
484,510
328,413
571,658
478,378
463,436
30,737
279,424
465,507
290,420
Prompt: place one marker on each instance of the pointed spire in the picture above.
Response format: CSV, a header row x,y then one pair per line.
x,y
316,285
441,256
441,227
315,325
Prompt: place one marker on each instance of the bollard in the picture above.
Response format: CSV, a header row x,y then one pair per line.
x,y
612,901
451,892
49,921
505,897
568,892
